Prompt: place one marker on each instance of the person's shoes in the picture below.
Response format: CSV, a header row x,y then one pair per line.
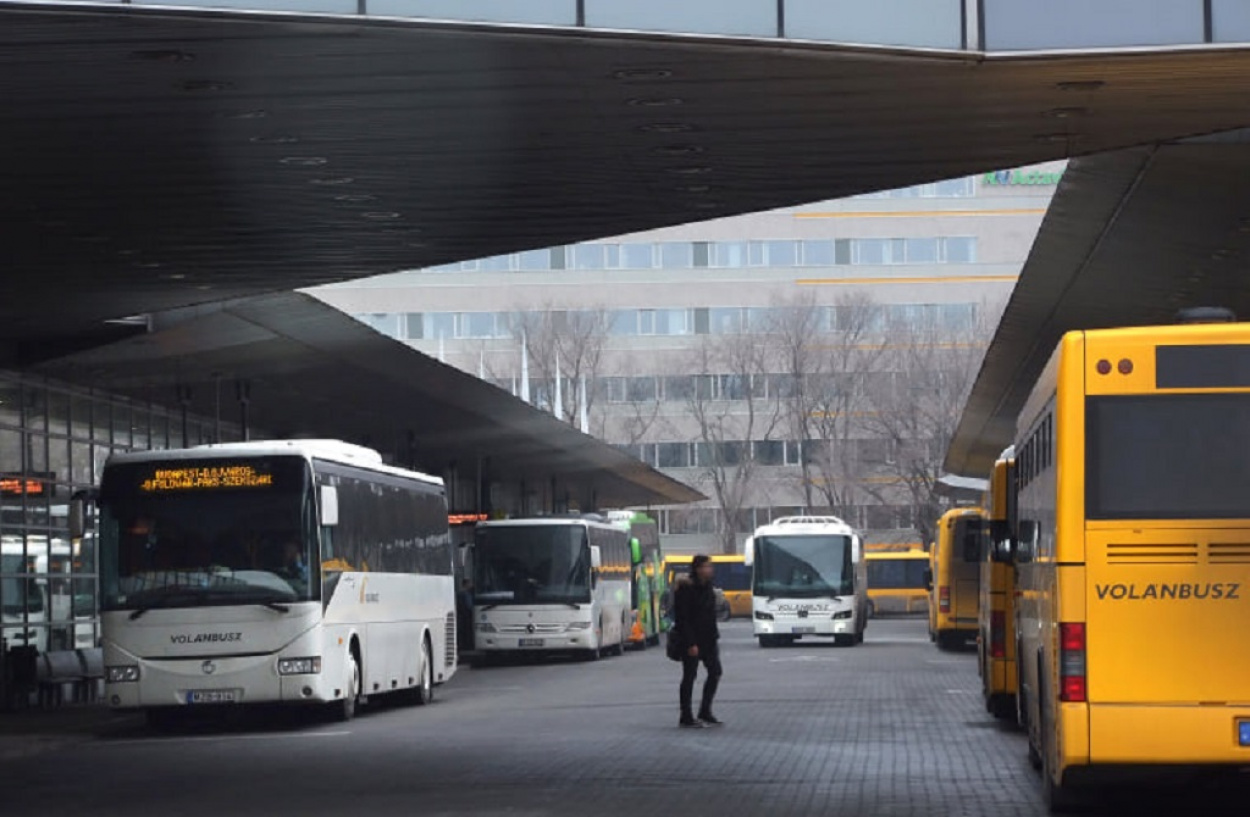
x,y
709,719
690,723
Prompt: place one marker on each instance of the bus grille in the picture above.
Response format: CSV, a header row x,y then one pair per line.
x,y
1228,553
449,638
1149,554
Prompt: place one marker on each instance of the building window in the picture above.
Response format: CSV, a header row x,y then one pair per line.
x,y
960,250
588,256
702,254
673,455
921,250
676,255
770,452
638,256
725,320
415,326
534,260
818,253
496,263
440,325
640,390
870,251
678,388
730,254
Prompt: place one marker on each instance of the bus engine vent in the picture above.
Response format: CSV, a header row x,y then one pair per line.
x,y
1150,554
1228,553
449,637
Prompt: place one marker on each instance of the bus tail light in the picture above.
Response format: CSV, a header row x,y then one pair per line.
x,y
998,634
944,599
1073,687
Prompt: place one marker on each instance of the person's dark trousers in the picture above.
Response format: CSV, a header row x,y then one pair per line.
x,y
689,668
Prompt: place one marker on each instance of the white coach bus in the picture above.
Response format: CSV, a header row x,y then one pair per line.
x,y
809,578
551,585
293,571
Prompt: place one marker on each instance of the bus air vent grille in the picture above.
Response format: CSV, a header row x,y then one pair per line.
x,y
1228,553
449,641
1151,554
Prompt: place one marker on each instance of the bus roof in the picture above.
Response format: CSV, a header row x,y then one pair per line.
x,y
330,450
536,521
801,525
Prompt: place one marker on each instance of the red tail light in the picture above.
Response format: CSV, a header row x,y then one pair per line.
x,y
944,599
998,634
1073,686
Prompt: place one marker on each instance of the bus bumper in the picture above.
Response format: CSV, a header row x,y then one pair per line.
x,y
207,680
805,627
1168,735
564,642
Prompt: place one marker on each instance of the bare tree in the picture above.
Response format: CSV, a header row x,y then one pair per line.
x,y
566,345
916,403
731,408
824,355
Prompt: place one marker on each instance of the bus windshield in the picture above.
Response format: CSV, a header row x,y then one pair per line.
x,y
897,574
808,566
1168,456
192,533
531,564
20,596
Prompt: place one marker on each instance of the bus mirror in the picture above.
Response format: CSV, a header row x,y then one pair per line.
x,y
77,518
928,579
1026,544
635,551
596,557
748,551
329,506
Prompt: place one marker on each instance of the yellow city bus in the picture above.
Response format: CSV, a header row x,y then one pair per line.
x,y
896,581
954,579
996,639
1133,555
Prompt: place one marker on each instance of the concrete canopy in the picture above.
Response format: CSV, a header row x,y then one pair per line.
x,y
160,158
312,370
1130,238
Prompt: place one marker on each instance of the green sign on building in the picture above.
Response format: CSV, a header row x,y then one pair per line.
x,y
1022,177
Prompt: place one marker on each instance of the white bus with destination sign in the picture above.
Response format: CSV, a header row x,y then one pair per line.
x,y
808,579
292,571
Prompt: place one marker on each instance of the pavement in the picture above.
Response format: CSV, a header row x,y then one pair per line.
x,y
891,727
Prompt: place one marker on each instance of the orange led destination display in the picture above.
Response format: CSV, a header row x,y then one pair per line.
x,y
206,478
15,486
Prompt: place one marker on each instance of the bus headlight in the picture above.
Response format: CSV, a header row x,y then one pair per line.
x,y
579,625
842,614
760,615
126,674
299,666
486,627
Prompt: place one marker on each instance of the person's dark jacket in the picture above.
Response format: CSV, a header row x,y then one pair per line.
x,y
694,607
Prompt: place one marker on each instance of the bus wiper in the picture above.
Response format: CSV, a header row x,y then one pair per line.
x,y
167,593
276,606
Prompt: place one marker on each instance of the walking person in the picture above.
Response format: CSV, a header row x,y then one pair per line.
x,y
694,606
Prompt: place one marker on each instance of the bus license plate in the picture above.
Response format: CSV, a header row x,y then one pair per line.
x,y
802,630
530,642
1243,733
212,696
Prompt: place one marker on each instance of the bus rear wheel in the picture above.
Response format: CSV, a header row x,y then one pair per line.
x,y
424,692
345,709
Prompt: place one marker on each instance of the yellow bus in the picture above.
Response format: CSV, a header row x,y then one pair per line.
x,y
955,577
732,580
996,639
896,581
1133,555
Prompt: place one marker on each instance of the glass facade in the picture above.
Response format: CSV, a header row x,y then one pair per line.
x,y
54,440
684,255
715,320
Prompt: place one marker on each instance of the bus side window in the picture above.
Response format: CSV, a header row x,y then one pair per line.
x,y
1026,542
